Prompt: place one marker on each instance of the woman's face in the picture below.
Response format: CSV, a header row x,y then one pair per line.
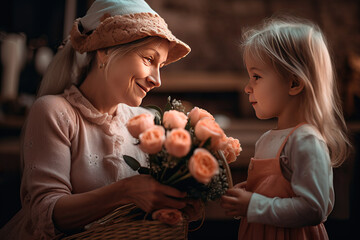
x,y
132,76
268,92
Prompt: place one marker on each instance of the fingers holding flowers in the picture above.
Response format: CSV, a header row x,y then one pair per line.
x,y
149,195
241,185
186,156
236,202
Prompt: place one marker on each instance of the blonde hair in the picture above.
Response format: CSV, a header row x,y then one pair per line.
x,y
70,67
298,49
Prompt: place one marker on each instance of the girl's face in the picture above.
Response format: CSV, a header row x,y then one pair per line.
x,y
133,75
268,92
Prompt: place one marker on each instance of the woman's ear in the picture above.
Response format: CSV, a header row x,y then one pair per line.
x,y
101,57
297,85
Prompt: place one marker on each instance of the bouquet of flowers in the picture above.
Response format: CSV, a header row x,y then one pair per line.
x,y
188,151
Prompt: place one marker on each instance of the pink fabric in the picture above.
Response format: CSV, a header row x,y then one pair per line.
x,y
265,177
69,147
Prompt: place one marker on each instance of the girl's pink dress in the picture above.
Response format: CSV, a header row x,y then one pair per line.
x,y
265,177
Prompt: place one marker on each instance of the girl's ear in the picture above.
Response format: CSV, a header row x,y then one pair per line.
x,y
297,85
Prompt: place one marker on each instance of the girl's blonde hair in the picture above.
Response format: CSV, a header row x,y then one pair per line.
x,y
297,49
69,67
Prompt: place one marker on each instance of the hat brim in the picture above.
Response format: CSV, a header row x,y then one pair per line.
x,y
121,29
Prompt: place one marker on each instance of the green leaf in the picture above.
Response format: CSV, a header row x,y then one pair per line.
x,y
168,105
132,162
188,125
158,109
157,119
144,170
158,113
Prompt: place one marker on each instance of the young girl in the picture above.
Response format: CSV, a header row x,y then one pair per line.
x,y
289,190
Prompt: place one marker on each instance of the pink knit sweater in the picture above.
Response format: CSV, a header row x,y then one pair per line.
x,y
69,147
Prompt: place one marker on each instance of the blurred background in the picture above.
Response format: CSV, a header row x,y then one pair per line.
x,y
212,76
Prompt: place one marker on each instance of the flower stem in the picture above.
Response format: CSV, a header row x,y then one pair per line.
x,y
163,173
173,181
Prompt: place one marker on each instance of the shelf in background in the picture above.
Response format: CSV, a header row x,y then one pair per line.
x,y
201,81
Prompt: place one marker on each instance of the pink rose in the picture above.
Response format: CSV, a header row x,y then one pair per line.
x,y
197,113
203,166
151,140
139,124
207,127
178,142
232,149
168,216
219,143
174,119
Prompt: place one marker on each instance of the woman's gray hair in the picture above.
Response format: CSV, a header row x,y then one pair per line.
x,y
70,67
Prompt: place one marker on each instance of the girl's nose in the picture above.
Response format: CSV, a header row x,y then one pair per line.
x,y
154,78
248,88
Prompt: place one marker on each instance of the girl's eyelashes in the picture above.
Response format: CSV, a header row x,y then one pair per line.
x,y
256,77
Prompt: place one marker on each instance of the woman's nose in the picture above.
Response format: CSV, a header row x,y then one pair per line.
x,y
154,78
248,88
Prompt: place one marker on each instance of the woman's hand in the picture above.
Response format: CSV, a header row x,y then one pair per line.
x,y
194,209
236,201
73,212
149,195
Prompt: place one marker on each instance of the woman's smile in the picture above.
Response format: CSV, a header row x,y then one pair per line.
x,y
145,90
132,76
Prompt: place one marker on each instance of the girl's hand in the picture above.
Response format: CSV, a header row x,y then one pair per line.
x,y
194,209
236,201
241,185
149,195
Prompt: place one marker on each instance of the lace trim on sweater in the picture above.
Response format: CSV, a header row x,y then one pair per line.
x,y
109,123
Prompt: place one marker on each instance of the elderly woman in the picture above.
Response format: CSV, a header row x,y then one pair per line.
x,y
75,136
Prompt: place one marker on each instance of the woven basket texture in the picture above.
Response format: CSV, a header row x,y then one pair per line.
x,y
120,225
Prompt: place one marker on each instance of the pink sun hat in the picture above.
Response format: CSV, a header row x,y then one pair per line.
x,y
112,22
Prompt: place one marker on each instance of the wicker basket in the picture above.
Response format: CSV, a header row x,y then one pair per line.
x,y
122,223
119,225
